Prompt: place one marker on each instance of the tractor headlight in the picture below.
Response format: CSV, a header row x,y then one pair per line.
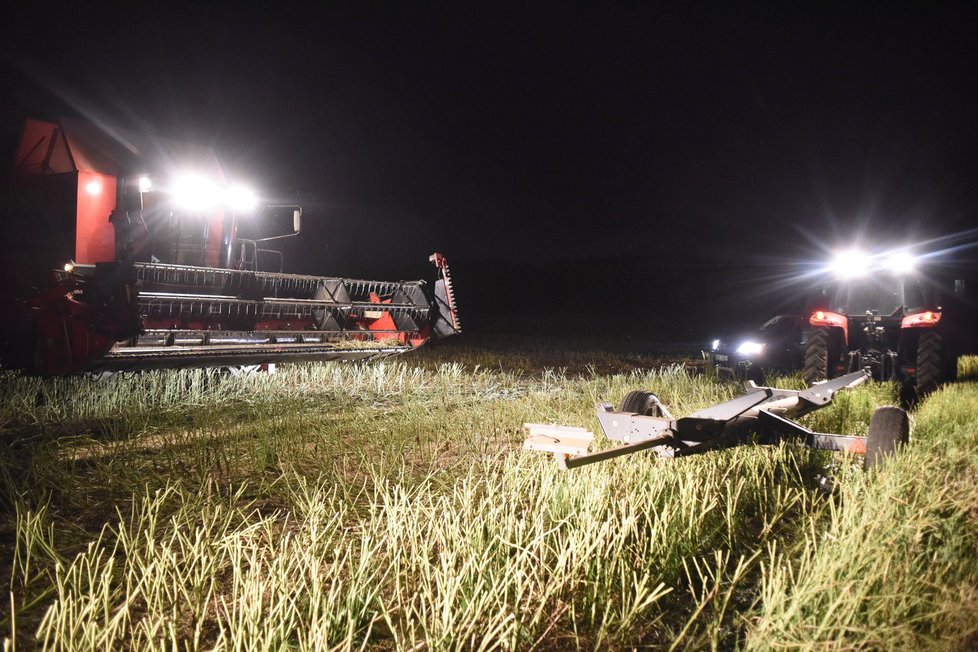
x,y
850,264
715,345
195,193
750,348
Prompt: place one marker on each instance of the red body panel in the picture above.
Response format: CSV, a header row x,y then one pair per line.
x,y
94,234
826,318
928,319
43,149
212,248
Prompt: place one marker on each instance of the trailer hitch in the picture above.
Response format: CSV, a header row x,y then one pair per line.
x,y
764,415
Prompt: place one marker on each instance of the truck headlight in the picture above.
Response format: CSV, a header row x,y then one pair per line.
x,y
750,348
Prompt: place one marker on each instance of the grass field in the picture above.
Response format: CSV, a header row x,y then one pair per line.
x,y
391,506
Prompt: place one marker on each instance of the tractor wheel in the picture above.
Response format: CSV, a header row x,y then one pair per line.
x,y
822,355
641,402
889,429
930,366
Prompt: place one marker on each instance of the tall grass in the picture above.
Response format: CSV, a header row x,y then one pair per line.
x,y
894,563
383,506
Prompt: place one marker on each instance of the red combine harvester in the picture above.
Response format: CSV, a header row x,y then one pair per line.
x,y
156,268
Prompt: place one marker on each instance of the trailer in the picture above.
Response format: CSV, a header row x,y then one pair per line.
x,y
763,415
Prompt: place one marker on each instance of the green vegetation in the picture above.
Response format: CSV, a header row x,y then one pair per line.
x,y
391,506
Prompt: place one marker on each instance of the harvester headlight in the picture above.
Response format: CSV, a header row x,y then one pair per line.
x,y
241,198
850,264
715,345
145,184
750,348
193,192
900,262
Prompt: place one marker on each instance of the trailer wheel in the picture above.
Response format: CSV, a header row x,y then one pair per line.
x,y
823,353
929,362
889,429
641,402
757,373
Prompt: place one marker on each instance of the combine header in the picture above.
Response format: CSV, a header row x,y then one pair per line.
x,y
160,269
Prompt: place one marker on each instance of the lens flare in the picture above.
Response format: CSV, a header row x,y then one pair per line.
x,y
241,198
750,348
900,262
195,193
851,263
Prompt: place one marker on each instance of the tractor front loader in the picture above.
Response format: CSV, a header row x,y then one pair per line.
x,y
764,415
157,267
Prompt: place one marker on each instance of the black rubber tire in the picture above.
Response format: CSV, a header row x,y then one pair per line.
x,y
821,356
930,365
889,429
640,402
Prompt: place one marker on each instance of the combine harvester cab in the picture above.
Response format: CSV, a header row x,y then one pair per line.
x,y
154,268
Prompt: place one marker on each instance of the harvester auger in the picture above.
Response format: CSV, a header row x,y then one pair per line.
x,y
187,316
157,267
764,415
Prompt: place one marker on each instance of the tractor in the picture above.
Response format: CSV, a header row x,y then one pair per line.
x,y
128,251
884,315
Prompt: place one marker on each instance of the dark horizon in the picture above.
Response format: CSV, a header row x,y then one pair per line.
x,y
639,148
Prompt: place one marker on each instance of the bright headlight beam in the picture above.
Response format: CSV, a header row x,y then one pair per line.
x,y
750,348
851,263
191,192
196,193
241,198
900,262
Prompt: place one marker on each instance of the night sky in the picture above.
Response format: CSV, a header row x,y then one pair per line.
x,y
567,160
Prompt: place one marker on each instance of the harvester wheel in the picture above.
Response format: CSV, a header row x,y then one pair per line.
x,y
889,429
929,362
641,402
